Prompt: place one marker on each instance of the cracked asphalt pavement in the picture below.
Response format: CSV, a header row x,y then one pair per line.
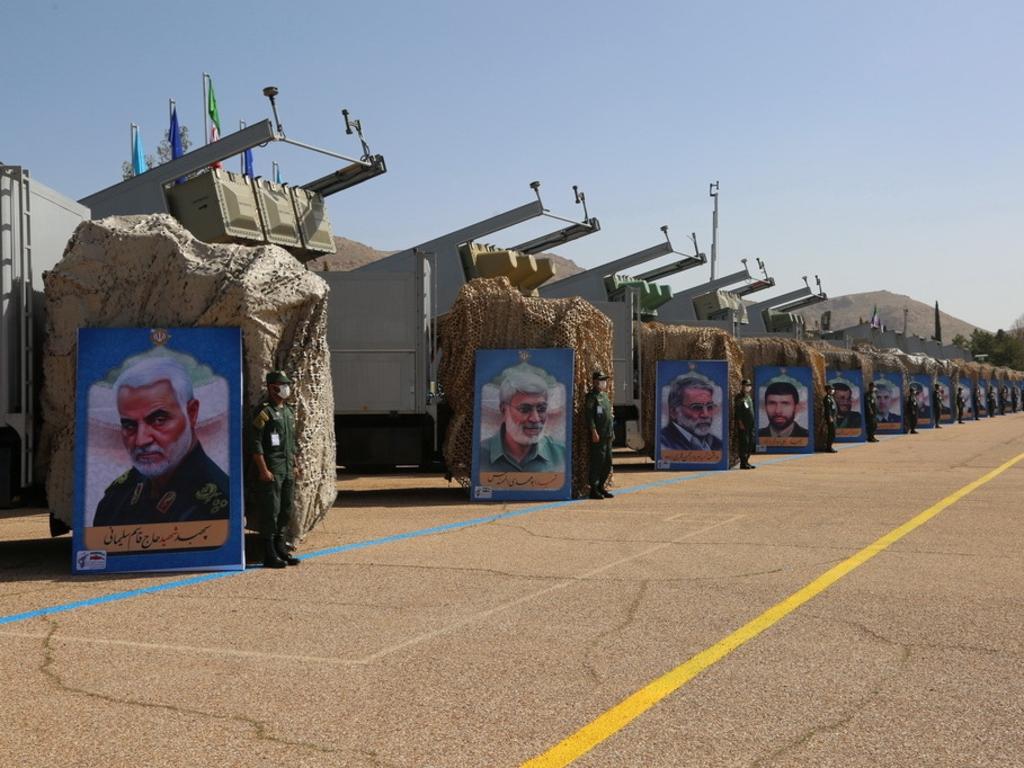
x,y
487,645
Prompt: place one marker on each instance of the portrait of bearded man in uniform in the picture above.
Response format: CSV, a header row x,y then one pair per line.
x,y
171,478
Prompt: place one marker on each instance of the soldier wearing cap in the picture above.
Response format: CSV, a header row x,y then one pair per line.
x,y
937,404
961,403
600,422
272,445
743,405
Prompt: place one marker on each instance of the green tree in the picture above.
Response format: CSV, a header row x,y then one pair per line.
x,y
163,152
1001,348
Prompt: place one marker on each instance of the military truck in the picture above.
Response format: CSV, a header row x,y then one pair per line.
x,y
35,225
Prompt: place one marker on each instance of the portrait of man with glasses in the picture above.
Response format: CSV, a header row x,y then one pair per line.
x,y
521,443
692,407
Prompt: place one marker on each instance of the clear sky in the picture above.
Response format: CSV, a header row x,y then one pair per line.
x,y
877,144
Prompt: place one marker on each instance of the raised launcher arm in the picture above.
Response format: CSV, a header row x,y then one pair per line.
x,y
592,284
681,309
787,302
446,253
221,206
755,285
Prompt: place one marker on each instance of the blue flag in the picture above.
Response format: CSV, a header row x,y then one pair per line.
x,y
247,160
277,174
174,136
138,156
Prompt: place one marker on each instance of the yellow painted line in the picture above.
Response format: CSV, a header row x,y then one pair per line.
x,y
626,711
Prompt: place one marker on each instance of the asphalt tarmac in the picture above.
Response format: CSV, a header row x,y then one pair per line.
x,y
776,617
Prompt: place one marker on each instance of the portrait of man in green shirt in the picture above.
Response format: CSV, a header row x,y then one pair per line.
x,y
522,442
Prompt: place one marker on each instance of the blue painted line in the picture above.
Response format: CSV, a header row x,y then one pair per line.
x,y
447,528
115,596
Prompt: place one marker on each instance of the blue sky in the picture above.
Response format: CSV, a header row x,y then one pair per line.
x,y
875,144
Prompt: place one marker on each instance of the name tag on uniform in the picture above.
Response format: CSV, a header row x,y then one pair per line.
x,y
275,439
600,410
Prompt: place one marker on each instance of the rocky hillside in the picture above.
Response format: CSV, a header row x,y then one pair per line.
x,y
850,309
352,254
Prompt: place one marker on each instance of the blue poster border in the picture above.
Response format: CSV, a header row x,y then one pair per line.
x,y
856,378
763,374
718,372
106,348
559,363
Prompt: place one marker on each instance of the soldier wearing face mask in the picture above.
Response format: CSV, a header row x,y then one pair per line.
x,y
272,445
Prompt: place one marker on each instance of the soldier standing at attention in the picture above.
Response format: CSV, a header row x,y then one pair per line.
x,y
831,412
871,412
961,402
743,404
990,401
910,412
937,404
599,421
272,446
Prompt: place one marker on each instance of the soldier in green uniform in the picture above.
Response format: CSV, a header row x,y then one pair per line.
x,y
910,408
743,405
171,480
937,404
961,403
272,445
600,423
831,410
871,412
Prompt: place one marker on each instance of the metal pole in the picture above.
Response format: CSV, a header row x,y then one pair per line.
x,y
132,128
206,129
241,157
713,192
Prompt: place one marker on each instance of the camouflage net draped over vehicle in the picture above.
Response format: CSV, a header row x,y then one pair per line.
x,y
789,352
841,359
490,314
150,272
682,342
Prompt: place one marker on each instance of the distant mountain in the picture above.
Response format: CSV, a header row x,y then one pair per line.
x,y
352,254
850,309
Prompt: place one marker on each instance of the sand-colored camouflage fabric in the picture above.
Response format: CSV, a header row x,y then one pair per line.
x,y
150,272
491,314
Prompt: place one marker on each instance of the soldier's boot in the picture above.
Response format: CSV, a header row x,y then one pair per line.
x,y
282,552
270,556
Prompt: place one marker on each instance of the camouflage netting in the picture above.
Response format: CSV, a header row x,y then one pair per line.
x,y
842,359
490,314
148,271
681,342
775,351
883,360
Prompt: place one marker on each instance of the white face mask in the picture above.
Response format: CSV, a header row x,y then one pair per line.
x,y
284,391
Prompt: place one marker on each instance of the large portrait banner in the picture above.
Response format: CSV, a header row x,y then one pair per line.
x,y
921,389
692,414
522,425
158,450
785,409
849,395
889,397
947,411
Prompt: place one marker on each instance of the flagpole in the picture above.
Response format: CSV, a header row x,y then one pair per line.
x,y
132,128
206,129
241,157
